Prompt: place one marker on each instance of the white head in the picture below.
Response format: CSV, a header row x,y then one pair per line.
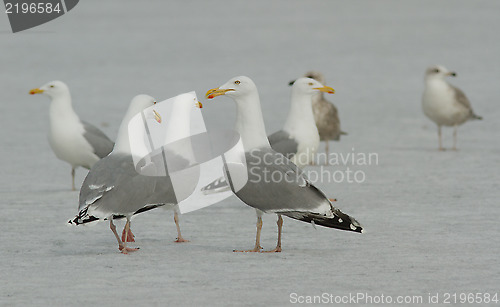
x,y
308,86
235,88
249,121
178,123
139,103
438,72
52,89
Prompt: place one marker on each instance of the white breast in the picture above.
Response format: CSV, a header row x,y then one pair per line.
x,y
67,140
440,106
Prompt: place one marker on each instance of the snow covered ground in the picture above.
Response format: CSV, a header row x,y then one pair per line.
x,y
431,218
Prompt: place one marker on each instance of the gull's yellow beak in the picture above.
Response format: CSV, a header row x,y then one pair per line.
x,y
216,92
36,91
325,89
157,116
199,105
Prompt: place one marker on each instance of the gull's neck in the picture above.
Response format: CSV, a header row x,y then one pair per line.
x,y
250,123
433,81
179,127
61,109
122,144
301,113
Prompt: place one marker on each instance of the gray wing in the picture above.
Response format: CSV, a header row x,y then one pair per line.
x,y
464,101
461,98
180,173
327,120
282,142
101,144
277,185
114,187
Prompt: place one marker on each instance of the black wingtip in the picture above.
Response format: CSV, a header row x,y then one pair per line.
x,y
79,220
340,220
83,218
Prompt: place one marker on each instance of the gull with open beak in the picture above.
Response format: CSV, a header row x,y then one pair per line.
x,y
275,184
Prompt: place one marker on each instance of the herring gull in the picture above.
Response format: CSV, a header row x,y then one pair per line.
x,y
114,188
72,140
445,104
176,128
325,115
299,139
294,195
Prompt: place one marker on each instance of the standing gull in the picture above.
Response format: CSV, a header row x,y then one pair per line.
x,y
177,129
114,188
445,104
299,139
325,115
293,195
72,140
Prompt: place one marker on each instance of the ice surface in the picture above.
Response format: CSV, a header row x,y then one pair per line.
x,y
431,218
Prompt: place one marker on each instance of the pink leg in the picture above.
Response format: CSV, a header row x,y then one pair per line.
x,y
441,148
278,245
179,239
122,246
257,247
73,188
130,236
455,138
327,150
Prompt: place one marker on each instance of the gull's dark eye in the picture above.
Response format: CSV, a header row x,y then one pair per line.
x,y
435,70
310,83
51,86
237,82
154,101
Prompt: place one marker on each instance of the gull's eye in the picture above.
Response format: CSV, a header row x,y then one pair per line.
x,y
237,82
310,84
154,101
51,86
435,70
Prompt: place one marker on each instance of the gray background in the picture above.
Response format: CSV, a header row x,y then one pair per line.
x,y
431,217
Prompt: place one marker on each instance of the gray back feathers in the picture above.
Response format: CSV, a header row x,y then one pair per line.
x,y
101,144
282,142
